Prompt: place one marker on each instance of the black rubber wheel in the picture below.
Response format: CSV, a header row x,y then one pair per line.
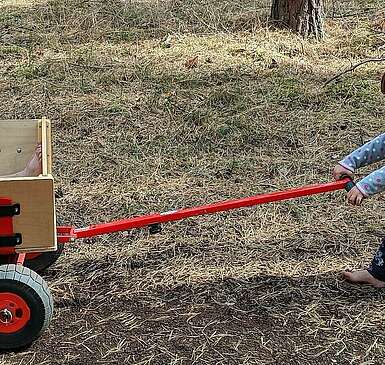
x,y
4,259
39,261
26,306
44,260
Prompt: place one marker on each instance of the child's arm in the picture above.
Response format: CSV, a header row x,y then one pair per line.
x,y
369,153
373,183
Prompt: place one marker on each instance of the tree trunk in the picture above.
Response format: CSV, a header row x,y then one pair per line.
x,y
301,16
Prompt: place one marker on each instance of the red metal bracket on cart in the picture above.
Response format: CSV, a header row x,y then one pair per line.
x,y
65,234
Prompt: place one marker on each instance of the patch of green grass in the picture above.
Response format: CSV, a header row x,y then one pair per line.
x,y
222,98
11,51
129,35
356,91
32,71
117,108
9,18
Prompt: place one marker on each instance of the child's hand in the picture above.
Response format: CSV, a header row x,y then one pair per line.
x,y
355,197
339,172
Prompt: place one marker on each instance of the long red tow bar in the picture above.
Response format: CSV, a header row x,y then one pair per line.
x,y
153,221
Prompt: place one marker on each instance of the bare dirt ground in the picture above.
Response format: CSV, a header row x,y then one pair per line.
x,y
168,104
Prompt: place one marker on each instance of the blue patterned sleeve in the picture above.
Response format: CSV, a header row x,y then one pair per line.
x,y
373,183
369,153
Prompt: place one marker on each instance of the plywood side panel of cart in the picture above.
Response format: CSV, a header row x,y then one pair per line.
x,y
36,221
18,140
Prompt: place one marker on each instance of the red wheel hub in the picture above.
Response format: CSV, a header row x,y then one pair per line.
x,y
14,313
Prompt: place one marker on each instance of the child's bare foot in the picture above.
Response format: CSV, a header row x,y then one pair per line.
x,y
34,167
362,277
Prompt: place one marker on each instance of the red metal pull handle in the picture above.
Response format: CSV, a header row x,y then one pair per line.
x,y
156,219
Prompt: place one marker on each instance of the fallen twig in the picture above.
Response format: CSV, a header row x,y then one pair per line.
x,y
348,15
380,59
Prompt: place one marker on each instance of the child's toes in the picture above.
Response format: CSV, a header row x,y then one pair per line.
x,y
347,275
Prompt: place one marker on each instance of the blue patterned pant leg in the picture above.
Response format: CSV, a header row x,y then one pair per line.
x,y
377,267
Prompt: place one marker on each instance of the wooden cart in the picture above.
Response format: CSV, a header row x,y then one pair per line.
x,y
27,226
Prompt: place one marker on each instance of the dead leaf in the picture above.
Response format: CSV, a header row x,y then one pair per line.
x,y
237,51
192,62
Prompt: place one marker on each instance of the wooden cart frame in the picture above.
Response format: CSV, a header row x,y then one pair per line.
x,y
35,221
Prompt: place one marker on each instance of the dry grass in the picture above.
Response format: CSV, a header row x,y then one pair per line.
x,y
136,131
